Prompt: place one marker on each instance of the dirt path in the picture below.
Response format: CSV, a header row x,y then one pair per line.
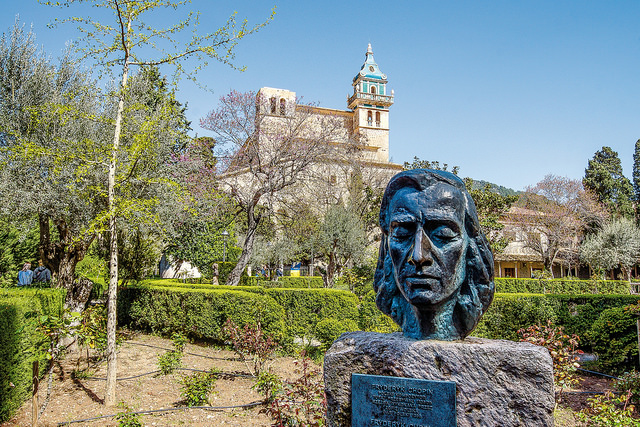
x,y
77,399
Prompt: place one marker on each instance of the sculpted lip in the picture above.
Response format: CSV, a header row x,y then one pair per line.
x,y
422,281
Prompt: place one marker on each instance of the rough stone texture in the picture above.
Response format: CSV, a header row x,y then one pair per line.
x,y
498,382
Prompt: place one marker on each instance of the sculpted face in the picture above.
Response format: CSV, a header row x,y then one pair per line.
x,y
427,243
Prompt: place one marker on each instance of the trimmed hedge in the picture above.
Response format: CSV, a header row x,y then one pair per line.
x,y
304,308
371,319
561,286
178,284
510,312
309,282
578,314
614,338
284,282
201,310
20,343
196,312
252,281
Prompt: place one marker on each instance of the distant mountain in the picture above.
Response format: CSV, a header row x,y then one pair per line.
x,y
503,191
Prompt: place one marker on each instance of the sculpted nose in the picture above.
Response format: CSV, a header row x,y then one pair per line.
x,y
421,252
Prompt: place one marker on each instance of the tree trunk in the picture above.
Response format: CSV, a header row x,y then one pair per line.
x,y
247,248
331,269
61,258
110,393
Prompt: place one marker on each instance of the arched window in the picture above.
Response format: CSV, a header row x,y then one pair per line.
x,y
378,118
273,105
283,106
370,118
373,90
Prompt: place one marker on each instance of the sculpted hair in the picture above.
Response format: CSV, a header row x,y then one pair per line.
x,y
476,292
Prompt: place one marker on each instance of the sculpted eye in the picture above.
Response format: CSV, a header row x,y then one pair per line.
x,y
444,234
402,230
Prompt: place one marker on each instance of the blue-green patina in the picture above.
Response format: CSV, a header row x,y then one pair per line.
x,y
435,269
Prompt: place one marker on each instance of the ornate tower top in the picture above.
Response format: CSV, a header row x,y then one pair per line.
x,y
370,85
370,69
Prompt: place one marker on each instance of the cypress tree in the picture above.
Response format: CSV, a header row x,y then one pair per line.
x,y
604,178
636,171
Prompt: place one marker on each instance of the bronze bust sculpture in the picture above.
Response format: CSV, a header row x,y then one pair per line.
x,y
434,276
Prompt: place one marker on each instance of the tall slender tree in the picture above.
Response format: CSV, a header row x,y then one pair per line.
x,y
128,41
636,172
604,178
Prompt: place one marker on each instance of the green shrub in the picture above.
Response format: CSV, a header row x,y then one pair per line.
x,y
172,359
127,417
510,312
304,308
354,280
198,313
629,382
197,387
371,319
576,313
561,286
246,282
267,384
20,343
328,330
609,410
169,361
613,337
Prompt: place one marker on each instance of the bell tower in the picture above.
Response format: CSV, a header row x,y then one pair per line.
x,y
370,103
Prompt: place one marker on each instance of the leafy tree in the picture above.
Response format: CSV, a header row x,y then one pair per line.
x,y
491,207
342,240
617,244
262,155
122,44
604,178
417,163
50,152
553,215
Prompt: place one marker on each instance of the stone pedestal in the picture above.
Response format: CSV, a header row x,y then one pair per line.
x,y
498,382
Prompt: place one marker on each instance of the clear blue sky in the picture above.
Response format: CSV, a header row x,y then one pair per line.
x,y
508,90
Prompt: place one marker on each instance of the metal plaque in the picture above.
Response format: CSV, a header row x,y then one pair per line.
x,y
380,401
